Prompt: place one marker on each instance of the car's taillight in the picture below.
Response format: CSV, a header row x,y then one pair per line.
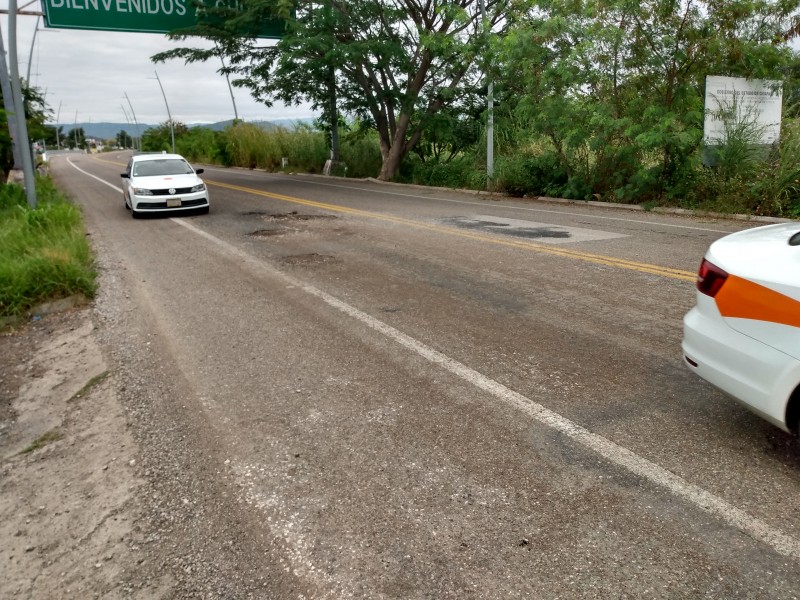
x,y
710,278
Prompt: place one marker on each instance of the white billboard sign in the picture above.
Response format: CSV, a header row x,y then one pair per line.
x,y
755,100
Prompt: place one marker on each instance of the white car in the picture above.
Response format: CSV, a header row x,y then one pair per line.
x,y
743,336
154,183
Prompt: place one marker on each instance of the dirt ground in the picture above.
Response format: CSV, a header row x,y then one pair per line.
x,y
69,521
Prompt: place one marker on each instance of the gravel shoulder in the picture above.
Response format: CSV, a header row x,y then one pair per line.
x,y
68,511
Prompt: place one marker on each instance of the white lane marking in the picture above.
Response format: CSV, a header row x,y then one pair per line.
x,y
470,203
619,455
104,182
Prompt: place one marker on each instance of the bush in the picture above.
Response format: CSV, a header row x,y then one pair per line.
x,y
540,175
201,144
460,173
362,155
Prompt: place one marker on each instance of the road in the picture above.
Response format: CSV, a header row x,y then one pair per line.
x,y
345,389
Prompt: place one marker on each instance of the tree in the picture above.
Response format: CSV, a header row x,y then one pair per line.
x,y
123,139
36,112
618,85
394,64
158,139
75,138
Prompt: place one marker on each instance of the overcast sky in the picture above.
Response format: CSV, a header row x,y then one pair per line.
x,y
90,72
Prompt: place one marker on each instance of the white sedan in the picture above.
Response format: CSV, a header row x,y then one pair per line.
x,y
155,183
743,336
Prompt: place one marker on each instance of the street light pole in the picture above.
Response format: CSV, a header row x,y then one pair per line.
x,y
169,116
19,107
230,89
58,115
130,126
30,55
135,122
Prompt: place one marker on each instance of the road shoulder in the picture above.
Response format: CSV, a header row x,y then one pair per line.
x,y
68,511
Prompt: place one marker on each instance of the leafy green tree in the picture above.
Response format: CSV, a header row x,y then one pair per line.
x,y
617,86
158,139
36,112
393,64
123,139
75,138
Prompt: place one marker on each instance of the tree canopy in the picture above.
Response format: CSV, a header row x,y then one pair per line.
x,y
393,64
615,87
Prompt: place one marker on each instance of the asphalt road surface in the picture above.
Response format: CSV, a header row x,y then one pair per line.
x,y
345,389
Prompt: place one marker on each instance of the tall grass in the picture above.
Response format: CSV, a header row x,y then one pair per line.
x,y
44,253
748,178
305,149
778,184
252,147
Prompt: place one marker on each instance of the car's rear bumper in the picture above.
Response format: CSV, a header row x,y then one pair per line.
x,y
758,376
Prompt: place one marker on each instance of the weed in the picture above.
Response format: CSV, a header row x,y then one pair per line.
x,y
44,440
97,379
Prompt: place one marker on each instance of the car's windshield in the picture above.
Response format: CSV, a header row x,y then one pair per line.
x,y
162,166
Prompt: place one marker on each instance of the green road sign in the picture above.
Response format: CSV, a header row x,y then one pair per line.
x,y
144,16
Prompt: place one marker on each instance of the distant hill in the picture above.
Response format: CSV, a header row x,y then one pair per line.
x,y
109,131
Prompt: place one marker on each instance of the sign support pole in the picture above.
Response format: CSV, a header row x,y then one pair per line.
x,y
19,107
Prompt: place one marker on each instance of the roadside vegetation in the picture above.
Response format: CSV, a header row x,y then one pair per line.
x,y
601,100
44,252
748,178
593,100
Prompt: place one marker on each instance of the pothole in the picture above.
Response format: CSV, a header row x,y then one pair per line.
x,y
295,216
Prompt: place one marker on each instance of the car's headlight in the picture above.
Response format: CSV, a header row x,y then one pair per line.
x,y
142,192
200,187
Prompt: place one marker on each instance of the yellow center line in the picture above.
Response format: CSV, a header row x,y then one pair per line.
x,y
532,246
574,254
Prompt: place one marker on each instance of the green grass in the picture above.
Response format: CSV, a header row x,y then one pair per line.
x,y
44,253
88,387
43,440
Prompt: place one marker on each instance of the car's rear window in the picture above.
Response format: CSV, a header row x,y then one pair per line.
x,y
165,166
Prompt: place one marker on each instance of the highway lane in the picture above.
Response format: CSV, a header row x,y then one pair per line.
x,y
576,311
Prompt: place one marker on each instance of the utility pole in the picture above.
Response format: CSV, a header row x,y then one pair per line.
x,y
19,107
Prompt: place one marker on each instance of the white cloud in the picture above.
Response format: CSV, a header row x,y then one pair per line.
x,y
90,71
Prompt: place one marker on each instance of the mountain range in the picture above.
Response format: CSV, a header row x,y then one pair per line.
x,y
109,131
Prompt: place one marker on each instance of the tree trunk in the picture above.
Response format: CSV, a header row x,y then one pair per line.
x,y
397,150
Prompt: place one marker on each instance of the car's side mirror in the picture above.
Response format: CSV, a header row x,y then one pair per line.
x,y
125,175
198,171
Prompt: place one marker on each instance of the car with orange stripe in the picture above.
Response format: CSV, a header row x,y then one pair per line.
x,y
743,335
